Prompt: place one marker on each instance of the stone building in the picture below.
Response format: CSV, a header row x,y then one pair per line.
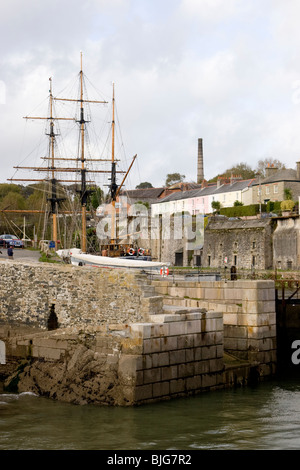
x,y
286,243
241,243
273,186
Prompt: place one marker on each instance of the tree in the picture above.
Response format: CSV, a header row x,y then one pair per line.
x,y
216,205
237,203
96,197
288,194
262,165
242,169
173,178
144,185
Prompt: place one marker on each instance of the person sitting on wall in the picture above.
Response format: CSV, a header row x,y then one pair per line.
x,y
233,275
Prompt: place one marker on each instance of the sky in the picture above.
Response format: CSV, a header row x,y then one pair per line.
x,y
224,71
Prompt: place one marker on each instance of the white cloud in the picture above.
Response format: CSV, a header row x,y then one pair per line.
x,y
223,71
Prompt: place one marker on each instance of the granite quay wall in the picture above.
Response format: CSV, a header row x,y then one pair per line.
x,y
249,313
172,355
81,296
122,339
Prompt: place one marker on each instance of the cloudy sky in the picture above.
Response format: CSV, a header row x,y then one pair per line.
x,y
227,71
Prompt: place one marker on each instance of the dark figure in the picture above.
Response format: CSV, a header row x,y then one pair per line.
x,y
233,275
10,252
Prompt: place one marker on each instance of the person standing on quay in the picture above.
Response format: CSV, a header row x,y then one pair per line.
x,y
10,252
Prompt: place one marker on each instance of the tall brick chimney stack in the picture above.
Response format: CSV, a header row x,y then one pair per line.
x,y
298,170
200,172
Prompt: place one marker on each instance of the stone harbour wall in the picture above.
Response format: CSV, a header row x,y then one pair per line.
x,y
172,355
123,339
249,313
82,296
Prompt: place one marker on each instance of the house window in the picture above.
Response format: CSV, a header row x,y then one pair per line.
x,y
208,260
235,260
267,189
253,245
289,264
253,261
275,188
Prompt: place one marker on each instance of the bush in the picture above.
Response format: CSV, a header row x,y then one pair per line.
x,y
287,205
242,211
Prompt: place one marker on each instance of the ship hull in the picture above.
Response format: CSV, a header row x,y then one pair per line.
x,y
127,262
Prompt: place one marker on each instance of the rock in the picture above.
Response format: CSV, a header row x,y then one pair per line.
x,y
79,378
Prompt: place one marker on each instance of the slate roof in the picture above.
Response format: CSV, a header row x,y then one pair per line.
x,y
226,224
225,188
280,175
146,193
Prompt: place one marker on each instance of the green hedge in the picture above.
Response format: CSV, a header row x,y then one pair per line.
x,y
242,211
273,206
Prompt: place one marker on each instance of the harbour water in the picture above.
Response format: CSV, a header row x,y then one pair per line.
x,y
261,417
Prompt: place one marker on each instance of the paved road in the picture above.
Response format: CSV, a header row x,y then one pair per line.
x,y
21,254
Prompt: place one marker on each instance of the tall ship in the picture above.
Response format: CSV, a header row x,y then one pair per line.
x,y
75,172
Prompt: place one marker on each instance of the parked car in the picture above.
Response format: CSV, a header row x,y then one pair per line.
x,y
7,240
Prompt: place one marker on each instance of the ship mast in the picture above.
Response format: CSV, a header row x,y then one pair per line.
x,y
54,200
82,170
114,188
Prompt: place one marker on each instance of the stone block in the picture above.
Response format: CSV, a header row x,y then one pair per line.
x,y
143,392
139,380
169,373
169,343
160,330
177,386
236,331
193,326
160,359
189,355
194,316
142,330
185,341
194,383
151,345
185,370
47,353
177,357
230,318
208,380
201,367
132,345
161,389
198,354
177,328
220,351
233,294
152,375
216,365
209,352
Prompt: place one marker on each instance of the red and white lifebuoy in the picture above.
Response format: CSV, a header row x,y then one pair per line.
x,y
164,271
141,251
131,251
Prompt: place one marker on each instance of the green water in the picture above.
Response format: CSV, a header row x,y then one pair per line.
x,y
266,416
